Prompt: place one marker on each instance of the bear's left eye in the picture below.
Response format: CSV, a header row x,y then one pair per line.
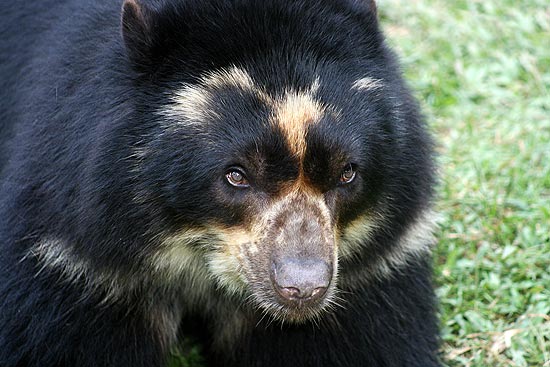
x,y
237,178
348,174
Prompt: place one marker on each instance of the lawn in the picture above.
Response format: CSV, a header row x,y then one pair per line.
x,y
481,70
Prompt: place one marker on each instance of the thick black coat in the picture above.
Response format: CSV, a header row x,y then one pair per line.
x,y
76,101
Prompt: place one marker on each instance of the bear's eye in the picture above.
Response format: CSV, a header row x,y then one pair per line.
x,y
348,174
237,178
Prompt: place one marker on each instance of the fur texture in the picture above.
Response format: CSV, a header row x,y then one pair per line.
x,y
158,157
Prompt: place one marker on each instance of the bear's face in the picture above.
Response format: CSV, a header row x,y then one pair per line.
x,y
275,154
268,184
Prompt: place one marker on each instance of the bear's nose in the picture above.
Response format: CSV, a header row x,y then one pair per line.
x,y
301,280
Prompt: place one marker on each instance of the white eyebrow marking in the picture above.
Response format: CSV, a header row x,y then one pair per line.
x,y
417,240
192,103
367,83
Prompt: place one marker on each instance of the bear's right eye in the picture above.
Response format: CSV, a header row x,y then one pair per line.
x,y
237,178
348,174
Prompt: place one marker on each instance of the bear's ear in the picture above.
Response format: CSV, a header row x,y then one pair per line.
x,y
137,31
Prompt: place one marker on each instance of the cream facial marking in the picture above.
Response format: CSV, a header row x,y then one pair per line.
x,y
356,233
206,259
192,103
417,240
294,113
220,264
180,254
176,258
367,84
54,254
227,261
232,77
184,261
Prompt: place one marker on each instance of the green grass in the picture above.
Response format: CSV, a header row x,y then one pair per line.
x,y
482,72
481,69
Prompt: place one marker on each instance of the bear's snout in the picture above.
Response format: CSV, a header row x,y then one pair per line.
x,y
299,281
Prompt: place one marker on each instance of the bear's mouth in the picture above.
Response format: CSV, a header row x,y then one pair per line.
x,y
297,310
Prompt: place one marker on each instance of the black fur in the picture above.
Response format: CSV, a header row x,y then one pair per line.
x,y
77,98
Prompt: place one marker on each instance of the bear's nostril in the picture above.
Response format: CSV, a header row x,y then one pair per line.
x,y
319,292
289,292
299,280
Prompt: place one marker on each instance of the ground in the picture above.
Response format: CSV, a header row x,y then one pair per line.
x,y
481,69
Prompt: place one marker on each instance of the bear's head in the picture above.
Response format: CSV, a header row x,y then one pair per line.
x,y
281,157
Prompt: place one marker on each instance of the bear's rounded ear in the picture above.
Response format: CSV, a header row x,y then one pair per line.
x,y
137,30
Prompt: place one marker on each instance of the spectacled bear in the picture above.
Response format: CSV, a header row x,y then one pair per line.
x,y
253,174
